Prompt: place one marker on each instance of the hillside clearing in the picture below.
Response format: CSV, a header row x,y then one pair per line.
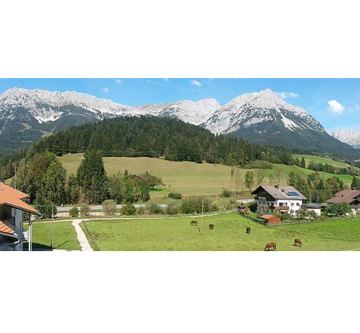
x,y
190,178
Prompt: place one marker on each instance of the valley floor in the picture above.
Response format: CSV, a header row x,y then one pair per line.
x,y
176,234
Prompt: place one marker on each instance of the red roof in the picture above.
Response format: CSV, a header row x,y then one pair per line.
x,y
14,198
4,229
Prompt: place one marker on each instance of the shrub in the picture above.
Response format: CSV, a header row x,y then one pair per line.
x,y
172,208
194,205
128,210
339,209
155,209
141,211
253,206
74,212
214,207
84,210
176,196
109,207
226,193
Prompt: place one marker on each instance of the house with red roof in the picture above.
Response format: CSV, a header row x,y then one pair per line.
x,y
13,205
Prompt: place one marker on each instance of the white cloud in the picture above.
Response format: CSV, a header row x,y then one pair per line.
x,y
105,90
335,107
118,81
285,94
195,83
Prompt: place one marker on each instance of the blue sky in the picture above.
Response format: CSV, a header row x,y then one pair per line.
x,y
334,102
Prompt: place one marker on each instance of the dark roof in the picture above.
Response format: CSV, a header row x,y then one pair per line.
x,y
313,206
282,192
345,196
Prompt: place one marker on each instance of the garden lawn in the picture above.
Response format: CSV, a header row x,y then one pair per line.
x,y
229,235
64,236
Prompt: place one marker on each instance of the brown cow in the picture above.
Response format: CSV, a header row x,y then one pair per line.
x,y
194,223
297,242
211,226
270,246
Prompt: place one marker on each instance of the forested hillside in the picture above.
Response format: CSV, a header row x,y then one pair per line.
x,y
155,137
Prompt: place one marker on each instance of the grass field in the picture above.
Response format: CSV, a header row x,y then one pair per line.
x,y
323,160
189,178
64,236
228,235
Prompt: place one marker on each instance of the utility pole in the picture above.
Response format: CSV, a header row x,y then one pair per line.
x,y
202,214
52,226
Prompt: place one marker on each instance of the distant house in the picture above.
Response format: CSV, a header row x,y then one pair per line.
x,y
281,198
12,207
350,197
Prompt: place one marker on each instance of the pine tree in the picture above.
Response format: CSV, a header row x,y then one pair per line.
x,y
355,184
302,163
92,178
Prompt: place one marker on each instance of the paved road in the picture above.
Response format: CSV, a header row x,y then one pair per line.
x,y
67,208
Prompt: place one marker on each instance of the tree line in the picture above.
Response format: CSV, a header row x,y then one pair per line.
x,y
45,180
148,136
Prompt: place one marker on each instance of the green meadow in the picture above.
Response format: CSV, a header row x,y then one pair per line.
x,y
176,234
190,178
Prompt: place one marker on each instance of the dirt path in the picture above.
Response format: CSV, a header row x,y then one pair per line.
x,y
84,244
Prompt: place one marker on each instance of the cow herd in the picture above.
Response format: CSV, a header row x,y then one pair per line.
x,y
268,246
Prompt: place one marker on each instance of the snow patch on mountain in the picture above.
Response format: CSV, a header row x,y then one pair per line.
x,y
260,107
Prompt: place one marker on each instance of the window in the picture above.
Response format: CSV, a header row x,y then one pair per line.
x,y
292,204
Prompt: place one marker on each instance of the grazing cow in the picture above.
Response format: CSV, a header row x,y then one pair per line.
x,y
248,230
211,226
270,246
297,242
194,223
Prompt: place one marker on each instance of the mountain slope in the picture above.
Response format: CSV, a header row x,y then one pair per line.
x,y
27,115
265,118
349,136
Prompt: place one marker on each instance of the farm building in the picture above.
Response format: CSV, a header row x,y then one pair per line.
x,y
281,198
316,208
350,197
12,207
271,219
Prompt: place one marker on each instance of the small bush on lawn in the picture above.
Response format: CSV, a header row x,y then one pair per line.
x,y
176,196
109,207
74,212
84,210
155,209
226,193
128,210
172,208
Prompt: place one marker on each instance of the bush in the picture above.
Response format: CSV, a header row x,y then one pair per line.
x,y
141,211
109,207
226,193
155,209
176,196
214,207
74,212
128,210
339,209
84,210
194,205
172,208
